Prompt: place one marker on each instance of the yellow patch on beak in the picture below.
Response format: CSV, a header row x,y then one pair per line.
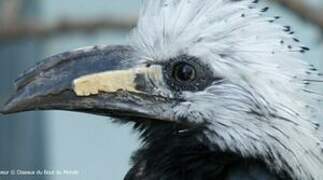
x,y
112,81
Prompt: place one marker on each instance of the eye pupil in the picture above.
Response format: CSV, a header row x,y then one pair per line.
x,y
184,72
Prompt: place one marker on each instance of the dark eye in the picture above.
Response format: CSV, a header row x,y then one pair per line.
x,y
184,72
187,73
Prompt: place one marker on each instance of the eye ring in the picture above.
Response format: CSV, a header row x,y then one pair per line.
x,y
184,72
187,73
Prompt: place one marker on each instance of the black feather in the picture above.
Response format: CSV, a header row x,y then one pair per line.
x,y
173,152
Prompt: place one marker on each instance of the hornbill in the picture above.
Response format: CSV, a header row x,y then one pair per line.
x,y
216,89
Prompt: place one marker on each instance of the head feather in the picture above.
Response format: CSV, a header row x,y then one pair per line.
x,y
265,108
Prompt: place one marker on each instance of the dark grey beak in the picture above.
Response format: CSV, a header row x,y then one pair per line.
x,y
92,80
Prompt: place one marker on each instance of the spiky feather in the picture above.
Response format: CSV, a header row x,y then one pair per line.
x,y
264,108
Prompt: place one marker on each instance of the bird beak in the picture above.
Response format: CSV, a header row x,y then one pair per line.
x,y
98,80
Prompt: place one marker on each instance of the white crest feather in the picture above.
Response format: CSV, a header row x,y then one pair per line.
x,y
263,67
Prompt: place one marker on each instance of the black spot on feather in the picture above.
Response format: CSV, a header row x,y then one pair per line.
x,y
296,40
287,28
265,9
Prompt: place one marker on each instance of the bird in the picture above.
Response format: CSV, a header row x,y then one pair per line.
x,y
216,89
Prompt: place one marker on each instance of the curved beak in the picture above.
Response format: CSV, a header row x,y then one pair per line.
x,y
102,80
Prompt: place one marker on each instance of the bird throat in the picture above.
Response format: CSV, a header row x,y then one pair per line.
x,y
170,152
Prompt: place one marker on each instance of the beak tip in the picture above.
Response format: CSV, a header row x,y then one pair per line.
x,y
13,105
7,108
4,110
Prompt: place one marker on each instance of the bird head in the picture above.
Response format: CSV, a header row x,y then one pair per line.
x,y
219,65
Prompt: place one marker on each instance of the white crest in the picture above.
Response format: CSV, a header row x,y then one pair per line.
x,y
262,64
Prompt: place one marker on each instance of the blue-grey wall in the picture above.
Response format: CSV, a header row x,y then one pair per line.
x,y
22,137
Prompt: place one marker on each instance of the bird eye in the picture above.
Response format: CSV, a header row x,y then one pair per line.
x,y
184,72
187,73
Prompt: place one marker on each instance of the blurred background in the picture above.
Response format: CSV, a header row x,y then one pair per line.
x,y
91,147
